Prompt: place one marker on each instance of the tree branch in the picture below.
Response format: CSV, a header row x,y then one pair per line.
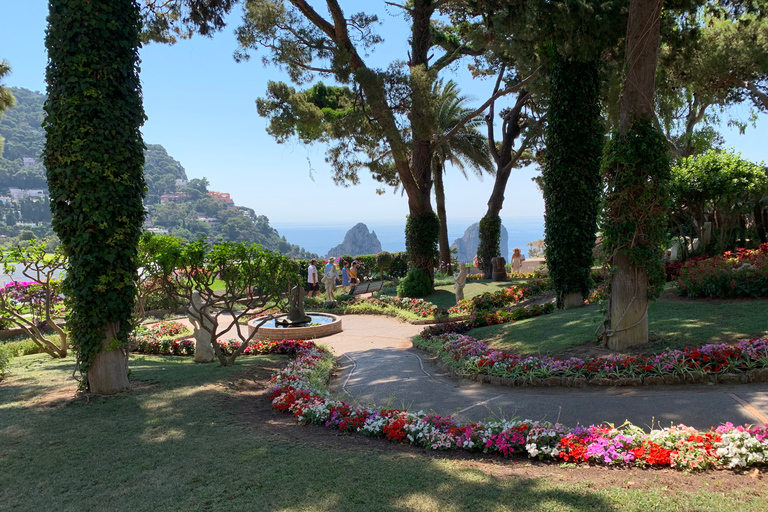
x,y
489,119
315,18
763,97
482,108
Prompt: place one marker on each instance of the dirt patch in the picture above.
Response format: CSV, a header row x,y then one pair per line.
x,y
58,397
254,411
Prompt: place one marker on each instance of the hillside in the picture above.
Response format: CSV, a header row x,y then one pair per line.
x,y
198,215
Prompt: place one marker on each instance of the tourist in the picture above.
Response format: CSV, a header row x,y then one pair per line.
x,y
345,277
474,261
329,279
313,285
353,280
517,261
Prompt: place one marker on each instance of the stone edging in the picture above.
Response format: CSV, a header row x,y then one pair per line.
x,y
754,375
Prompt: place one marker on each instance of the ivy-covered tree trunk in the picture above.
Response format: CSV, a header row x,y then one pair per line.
x,y
489,234
571,176
94,160
635,202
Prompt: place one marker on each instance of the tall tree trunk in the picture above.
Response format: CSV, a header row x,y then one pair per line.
x,y
423,240
94,163
760,222
629,299
505,158
571,176
444,244
108,374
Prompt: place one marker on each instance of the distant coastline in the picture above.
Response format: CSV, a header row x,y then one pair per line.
x,y
319,238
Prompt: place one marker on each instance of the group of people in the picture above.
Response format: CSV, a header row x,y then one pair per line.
x,y
331,275
516,263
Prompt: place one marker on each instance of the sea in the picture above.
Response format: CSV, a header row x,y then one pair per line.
x,y
320,238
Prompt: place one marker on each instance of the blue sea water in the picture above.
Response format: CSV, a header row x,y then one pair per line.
x,y
320,238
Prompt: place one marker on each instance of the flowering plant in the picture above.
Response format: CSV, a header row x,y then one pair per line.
x,y
292,390
743,273
162,338
474,356
502,298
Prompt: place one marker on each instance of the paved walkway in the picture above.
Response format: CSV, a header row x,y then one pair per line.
x,y
379,366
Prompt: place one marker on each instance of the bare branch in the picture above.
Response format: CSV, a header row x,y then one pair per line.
x,y
762,96
482,108
489,119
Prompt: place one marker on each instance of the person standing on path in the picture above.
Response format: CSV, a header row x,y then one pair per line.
x,y
313,285
353,280
345,276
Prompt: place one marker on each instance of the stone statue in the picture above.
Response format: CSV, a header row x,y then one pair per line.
x,y
201,319
499,268
296,314
329,280
459,280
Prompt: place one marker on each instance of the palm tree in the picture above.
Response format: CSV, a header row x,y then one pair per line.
x,y
466,148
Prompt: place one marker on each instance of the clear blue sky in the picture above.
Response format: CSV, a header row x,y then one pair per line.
x,y
200,105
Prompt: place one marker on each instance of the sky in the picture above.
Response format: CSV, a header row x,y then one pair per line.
x,y
201,107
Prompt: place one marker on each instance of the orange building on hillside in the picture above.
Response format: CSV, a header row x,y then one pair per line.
x,y
222,197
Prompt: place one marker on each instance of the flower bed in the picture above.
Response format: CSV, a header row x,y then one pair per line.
x,y
502,298
486,319
743,273
170,338
295,390
162,338
748,360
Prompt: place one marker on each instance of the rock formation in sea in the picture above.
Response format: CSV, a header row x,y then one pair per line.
x,y
357,241
467,245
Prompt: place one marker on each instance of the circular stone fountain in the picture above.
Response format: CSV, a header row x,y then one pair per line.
x,y
325,324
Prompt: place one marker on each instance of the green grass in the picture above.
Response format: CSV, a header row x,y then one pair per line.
x,y
176,443
673,324
445,297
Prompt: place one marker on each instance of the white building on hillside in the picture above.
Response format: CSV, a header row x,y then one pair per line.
x,y
17,194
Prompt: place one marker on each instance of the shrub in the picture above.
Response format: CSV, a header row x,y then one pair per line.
x,y
5,358
415,284
399,266
740,274
672,268
383,261
22,347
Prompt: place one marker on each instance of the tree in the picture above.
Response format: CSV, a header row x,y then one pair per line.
x,y
721,188
714,58
506,158
6,97
386,113
253,278
636,170
94,158
467,147
571,176
34,306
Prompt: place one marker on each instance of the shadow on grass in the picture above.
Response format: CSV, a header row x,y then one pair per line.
x,y
177,445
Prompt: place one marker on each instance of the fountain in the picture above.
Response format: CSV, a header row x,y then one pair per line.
x,y
296,325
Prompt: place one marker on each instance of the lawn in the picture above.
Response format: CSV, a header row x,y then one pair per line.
x,y
673,324
184,440
444,295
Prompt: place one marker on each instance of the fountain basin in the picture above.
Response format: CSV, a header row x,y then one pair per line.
x,y
328,324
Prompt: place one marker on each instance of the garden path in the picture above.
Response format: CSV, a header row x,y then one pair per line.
x,y
380,366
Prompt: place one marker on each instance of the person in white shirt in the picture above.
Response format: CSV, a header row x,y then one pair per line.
x,y
313,284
